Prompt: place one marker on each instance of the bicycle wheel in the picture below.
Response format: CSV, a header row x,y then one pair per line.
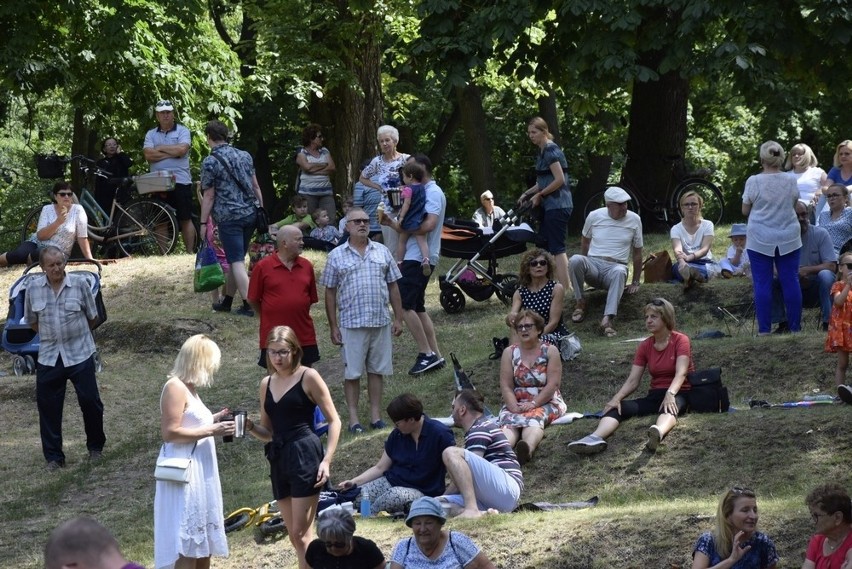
x,y
714,204
597,201
147,227
31,223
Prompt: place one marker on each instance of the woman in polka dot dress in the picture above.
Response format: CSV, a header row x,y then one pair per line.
x,y
537,291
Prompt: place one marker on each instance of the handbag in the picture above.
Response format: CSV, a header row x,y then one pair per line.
x,y
706,393
261,219
172,469
208,273
658,267
569,346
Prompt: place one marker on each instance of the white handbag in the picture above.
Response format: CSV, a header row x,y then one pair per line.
x,y
170,469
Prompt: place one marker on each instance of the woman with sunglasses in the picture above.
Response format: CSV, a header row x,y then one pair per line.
x,y
735,542
337,546
530,376
837,218
538,292
298,466
667,355
61,223
831,512
692,242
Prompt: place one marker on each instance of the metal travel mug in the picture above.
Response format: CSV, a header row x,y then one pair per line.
x,y
227,438
240,424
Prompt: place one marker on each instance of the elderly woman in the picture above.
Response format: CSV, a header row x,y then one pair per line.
x,y
61,223
810,178
336,546
538,292
831,511
433,547
384,169
551,192
189,526
692,241
773,238
837,219
667,356
315,167
735,542
530,376
486,215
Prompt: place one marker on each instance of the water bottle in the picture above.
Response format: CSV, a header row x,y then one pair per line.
x,y
365,503
820,397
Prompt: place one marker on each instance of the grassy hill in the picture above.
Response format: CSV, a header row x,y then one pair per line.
x,y
652,506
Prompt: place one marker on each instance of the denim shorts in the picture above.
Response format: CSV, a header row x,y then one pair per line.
x,y
236,236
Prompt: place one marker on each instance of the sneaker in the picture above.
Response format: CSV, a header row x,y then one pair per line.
x,y
245,311
95,456
727,274
654,437
426,267
356,429
221,307
591,444
845,394
782,328
378,425
424,363
54,465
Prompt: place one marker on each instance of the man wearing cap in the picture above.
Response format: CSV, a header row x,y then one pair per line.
x,y
817,270
485,473
612,236
166,147
486,215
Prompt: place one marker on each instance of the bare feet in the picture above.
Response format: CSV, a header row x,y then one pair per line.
x,y
471,513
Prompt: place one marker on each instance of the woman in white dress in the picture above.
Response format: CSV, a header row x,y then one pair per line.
x,y
189,524
692,241
810,178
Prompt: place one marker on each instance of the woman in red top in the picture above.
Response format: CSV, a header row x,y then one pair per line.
x,y
667,356
831,511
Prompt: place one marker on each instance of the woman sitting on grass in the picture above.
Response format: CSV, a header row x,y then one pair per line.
x,y
734,543
831,545
538,292
667,356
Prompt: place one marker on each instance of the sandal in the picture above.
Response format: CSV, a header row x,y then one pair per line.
x,y
609,331
578,315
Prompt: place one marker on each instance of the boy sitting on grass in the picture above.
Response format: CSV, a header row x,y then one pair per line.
x,y
323,231
299,217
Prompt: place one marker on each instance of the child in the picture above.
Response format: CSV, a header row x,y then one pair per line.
x,y
413,212
323,231
299,217
839,337
736,261
348,204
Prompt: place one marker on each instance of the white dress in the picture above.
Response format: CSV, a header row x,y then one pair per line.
x,y
189,518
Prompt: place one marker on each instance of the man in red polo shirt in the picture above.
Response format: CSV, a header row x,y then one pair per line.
x,y
282,289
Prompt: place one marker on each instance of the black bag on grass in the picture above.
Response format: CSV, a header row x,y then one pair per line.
x,y
707,394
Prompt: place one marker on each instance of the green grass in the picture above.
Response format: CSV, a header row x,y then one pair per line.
x,y
652,508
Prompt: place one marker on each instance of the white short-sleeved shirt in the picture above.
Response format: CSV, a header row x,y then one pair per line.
x,y
808,182
772,222
690,243
614,238
177,166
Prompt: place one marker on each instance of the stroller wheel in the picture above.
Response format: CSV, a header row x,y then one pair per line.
x,y
505,288
452,300
19,365
30,364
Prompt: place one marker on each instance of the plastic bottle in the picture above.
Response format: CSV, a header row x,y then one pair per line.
x,y
820,397
365,503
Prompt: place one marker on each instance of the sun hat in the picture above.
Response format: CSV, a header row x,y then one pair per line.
x,y
425,506
617,195
738,230
163,105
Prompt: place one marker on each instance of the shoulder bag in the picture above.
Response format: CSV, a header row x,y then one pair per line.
x,y
657,268
174,469
706,393
261,222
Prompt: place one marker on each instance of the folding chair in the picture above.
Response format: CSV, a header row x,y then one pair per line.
x,y
737,316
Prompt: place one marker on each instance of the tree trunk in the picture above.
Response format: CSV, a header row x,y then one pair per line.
x,y
548,111
477,146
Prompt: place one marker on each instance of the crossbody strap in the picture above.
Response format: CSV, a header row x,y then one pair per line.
x,y
239,182
190,454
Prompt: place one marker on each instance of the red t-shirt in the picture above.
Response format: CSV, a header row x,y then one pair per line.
x,y
285,297
833,561
661,364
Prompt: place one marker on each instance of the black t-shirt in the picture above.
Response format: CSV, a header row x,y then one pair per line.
x,y
365,555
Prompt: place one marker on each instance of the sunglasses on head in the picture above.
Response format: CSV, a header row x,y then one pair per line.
x,y
657,302
739,490
164,103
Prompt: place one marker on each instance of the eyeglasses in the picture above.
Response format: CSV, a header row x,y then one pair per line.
x,y
522,327
278,353
538,263
829,196
65,194
690,204
360,221
815,516
335,544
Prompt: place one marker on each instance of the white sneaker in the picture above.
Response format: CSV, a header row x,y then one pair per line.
x,y
590,444
654,437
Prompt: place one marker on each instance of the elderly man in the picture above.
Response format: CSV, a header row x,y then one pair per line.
x,y
360,279
61,308
282,289
486,215
485,473
612,236
817,270
83,543
166,147
231,194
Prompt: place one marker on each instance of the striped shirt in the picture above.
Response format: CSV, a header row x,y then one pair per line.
x,y
485,436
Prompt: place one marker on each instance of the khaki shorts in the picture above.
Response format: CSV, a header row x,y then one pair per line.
x,y
368,348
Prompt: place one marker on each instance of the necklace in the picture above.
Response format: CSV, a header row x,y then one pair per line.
x,y
832,547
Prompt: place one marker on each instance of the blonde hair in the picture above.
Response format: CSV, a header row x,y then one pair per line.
x,y
284,335
845,144
664,309
810,158
723,534
772,154
199,358
540,124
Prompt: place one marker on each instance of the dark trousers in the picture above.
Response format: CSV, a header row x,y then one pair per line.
x,y
50,397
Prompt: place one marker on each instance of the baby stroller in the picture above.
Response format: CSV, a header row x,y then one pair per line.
x,y
466,242
20,339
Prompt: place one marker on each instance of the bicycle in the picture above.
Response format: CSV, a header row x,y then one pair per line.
x,y
266,520
145,226
667,209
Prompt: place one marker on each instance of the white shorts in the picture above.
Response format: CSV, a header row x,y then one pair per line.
x,y
366,350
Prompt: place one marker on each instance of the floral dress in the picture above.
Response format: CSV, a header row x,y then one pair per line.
x,y
840,324
528,382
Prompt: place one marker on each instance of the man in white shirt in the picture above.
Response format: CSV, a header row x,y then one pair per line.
x,y
612,236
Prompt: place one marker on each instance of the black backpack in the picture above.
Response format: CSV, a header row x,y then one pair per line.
x,y
707,394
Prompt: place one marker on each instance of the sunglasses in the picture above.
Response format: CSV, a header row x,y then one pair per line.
x,y
335,544
742,490
360,221
164,103
65,194
848,266
657,302
522,327
538,263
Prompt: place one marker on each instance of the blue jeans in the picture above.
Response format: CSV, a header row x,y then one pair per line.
x,y
817,293
787,267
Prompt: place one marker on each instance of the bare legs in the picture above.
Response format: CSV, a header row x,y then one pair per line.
x,y
352,391
530,435
842,366
187,229
192,563
422,330
460,474
607,425
298,515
